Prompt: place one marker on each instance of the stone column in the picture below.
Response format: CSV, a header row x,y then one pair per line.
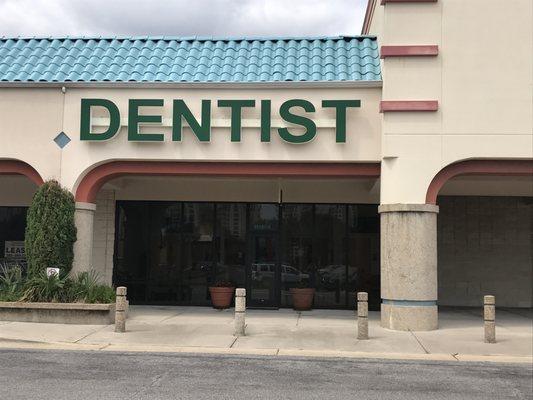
x,y
409,266
489,316
121,309
362,315
240,310
83,247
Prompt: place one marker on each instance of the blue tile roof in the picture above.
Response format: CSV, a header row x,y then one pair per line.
x,y
171,59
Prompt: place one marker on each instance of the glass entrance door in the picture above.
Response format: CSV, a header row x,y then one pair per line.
x,y
264,271
263,263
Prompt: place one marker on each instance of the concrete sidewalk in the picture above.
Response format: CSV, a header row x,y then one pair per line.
x,y
286,332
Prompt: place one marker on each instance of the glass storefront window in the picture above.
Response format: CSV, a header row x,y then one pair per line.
x,y
171,252
196,264
330,272
264,218
231,243
363,253
264,262
131,249
296,249
12,232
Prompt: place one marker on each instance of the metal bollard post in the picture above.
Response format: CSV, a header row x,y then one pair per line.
x,y
362,315
489,315
120,310
240,310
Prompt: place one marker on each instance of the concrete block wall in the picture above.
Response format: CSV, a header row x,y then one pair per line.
x,y
485,247
104,235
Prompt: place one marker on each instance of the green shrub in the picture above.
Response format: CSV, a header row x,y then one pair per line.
x,y
11,283
50,229
87,289
100,294
82,288
49,289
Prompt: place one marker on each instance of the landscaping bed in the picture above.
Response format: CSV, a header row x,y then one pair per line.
x,y
59,313
42,288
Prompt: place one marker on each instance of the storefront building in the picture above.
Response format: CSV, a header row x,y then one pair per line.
x,y
399,162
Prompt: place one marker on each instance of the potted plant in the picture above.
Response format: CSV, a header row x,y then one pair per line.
x,y
302,296
222,294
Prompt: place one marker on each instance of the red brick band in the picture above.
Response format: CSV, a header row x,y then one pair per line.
x,y
408,105
409,51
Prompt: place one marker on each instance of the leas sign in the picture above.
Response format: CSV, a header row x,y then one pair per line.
x,y
296,113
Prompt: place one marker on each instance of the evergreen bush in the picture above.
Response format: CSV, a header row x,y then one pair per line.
x,y
50,229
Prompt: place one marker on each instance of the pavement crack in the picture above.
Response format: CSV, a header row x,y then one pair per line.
x,y
454,355
419,342
172,316
232,343
154,382
298,318
91,333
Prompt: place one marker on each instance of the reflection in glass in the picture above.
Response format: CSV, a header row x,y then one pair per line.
x,y
12,229
263,270
264,222
171,252
131,250
296,249
363,253
330,273
264,217
197,249
231,243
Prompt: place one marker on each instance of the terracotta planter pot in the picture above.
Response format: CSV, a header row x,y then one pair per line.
x,y
221,296
302,299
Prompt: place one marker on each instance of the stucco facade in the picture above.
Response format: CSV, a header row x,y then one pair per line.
x,y
462,127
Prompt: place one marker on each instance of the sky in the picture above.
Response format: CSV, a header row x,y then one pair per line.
x,y
181,17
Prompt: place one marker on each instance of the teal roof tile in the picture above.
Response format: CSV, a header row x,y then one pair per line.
x,y
160,59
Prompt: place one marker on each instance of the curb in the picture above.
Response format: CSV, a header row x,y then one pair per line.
x,y
19,345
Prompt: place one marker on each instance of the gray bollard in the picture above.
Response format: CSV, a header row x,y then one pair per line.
x,y
120,310
240,310
362,315
489,315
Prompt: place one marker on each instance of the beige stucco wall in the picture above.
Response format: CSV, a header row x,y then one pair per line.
x,y
104,235
30,120
32,117
363,138
358,191
482,79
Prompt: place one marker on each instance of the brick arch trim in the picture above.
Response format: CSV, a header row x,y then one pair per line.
x,y
93,181
17,167
477,167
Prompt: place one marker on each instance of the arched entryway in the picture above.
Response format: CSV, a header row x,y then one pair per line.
x,y
218,203
18,183
484,232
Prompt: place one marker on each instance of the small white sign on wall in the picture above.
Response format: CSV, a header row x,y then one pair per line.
x,y
14,249
52,272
